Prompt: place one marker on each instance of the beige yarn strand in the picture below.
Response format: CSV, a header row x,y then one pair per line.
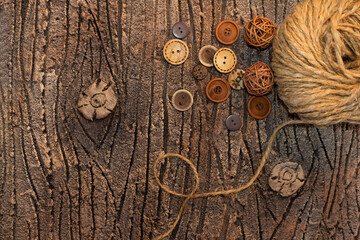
x,y
193,193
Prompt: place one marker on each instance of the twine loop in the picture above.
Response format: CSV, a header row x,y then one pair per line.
x,y
193,193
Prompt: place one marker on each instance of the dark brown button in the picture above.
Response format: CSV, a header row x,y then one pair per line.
x,y
218,90
233,122
200,72
259,107
206,55
182,100
180,30
227,32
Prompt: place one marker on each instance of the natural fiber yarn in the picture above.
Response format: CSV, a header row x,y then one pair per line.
x,y
258,79
259,32
316,61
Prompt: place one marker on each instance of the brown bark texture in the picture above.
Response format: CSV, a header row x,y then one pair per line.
x,y
65,177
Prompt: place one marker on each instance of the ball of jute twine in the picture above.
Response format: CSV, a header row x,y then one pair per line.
x,y
258,79
316,61
259,31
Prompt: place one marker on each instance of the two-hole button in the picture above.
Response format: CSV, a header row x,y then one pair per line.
x,y
225,60
233,122
176,52
180,30
182,100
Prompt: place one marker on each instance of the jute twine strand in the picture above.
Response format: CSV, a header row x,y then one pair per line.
x,y
193,193
316,61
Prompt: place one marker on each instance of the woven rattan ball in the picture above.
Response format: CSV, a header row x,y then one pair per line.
x,y
258,79
259,32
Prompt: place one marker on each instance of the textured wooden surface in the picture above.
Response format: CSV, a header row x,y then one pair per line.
x,y
63,177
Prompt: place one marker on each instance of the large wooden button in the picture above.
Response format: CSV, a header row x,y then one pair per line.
x,y
180,30
206,55
227,32
218,90
182,100
233,122
259,107
200,72
176,51
225,60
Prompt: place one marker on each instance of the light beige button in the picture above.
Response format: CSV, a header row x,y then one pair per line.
x,y
176,51
206,55
236,79
225,60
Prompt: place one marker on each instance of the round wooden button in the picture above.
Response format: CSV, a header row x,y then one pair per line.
x,y
233,122
225,60
227,32
175,51
180,30
236,79
200,72
259,107
218,90
206,55
182,100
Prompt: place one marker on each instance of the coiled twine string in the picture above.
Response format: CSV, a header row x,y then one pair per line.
x,y
193,193
316,64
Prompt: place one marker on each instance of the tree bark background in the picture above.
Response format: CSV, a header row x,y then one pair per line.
x,y
63,177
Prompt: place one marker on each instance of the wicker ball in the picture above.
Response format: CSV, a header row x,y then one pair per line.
x,y
259,32
258,79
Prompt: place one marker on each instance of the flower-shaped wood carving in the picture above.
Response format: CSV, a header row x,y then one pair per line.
x,y
286,178
97,101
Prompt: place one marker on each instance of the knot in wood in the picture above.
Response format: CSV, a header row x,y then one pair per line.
x,y
286,178
97,101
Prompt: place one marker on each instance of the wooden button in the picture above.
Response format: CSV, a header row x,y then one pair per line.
x,y
227,32
176,52
218,90
206,55
259,107
225,60
236,79
180,30
182,100
233,122
200,72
